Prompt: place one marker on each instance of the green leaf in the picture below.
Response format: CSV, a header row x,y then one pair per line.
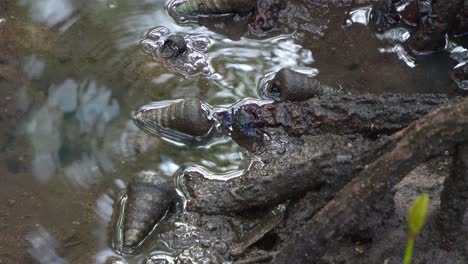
x,y
417,213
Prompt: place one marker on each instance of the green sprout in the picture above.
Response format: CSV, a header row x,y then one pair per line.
x,y
416,217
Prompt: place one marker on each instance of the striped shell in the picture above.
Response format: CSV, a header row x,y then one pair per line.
x,y
191,7
179,118
289,85
149,197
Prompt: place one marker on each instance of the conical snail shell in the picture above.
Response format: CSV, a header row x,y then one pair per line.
x,y
290,85
149,197
182,116
191,7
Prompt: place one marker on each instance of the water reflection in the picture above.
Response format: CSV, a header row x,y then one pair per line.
x,y
45,139
241,74
79,127
360,15
96,107
400,51
50,12
72,110
104,209
43,247
182,53
34,67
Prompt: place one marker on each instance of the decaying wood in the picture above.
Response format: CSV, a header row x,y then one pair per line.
x,y
441,130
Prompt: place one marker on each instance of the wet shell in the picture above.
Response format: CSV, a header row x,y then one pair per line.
x,y
289,85
193,7
185,117
149,197
173,47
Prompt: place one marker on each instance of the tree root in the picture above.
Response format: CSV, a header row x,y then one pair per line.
x,y
363,114
441,130
454,198
293,177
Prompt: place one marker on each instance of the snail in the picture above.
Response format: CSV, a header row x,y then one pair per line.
x,y
204,7
173,47
149,197
179,119
289,85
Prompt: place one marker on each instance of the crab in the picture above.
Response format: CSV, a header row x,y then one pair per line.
x,y
243,125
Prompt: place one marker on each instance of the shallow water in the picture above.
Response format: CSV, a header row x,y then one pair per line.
x,y
69,145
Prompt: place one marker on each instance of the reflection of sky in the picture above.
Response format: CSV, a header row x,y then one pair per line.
x,y
395,36
92,108
43,247
50,12
33,67
241,64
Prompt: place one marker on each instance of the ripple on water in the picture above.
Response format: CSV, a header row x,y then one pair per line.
x,y
82,130
180,52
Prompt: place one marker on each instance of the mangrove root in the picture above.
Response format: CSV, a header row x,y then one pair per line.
x,y
441,130
365,114
281,179
454,197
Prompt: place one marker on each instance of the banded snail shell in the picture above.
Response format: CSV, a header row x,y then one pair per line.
x,y
149,197
186,119
289,85
191,7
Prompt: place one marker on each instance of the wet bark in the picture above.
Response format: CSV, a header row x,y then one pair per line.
x,y
330,169
364,114
454,198
327,172
432,135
